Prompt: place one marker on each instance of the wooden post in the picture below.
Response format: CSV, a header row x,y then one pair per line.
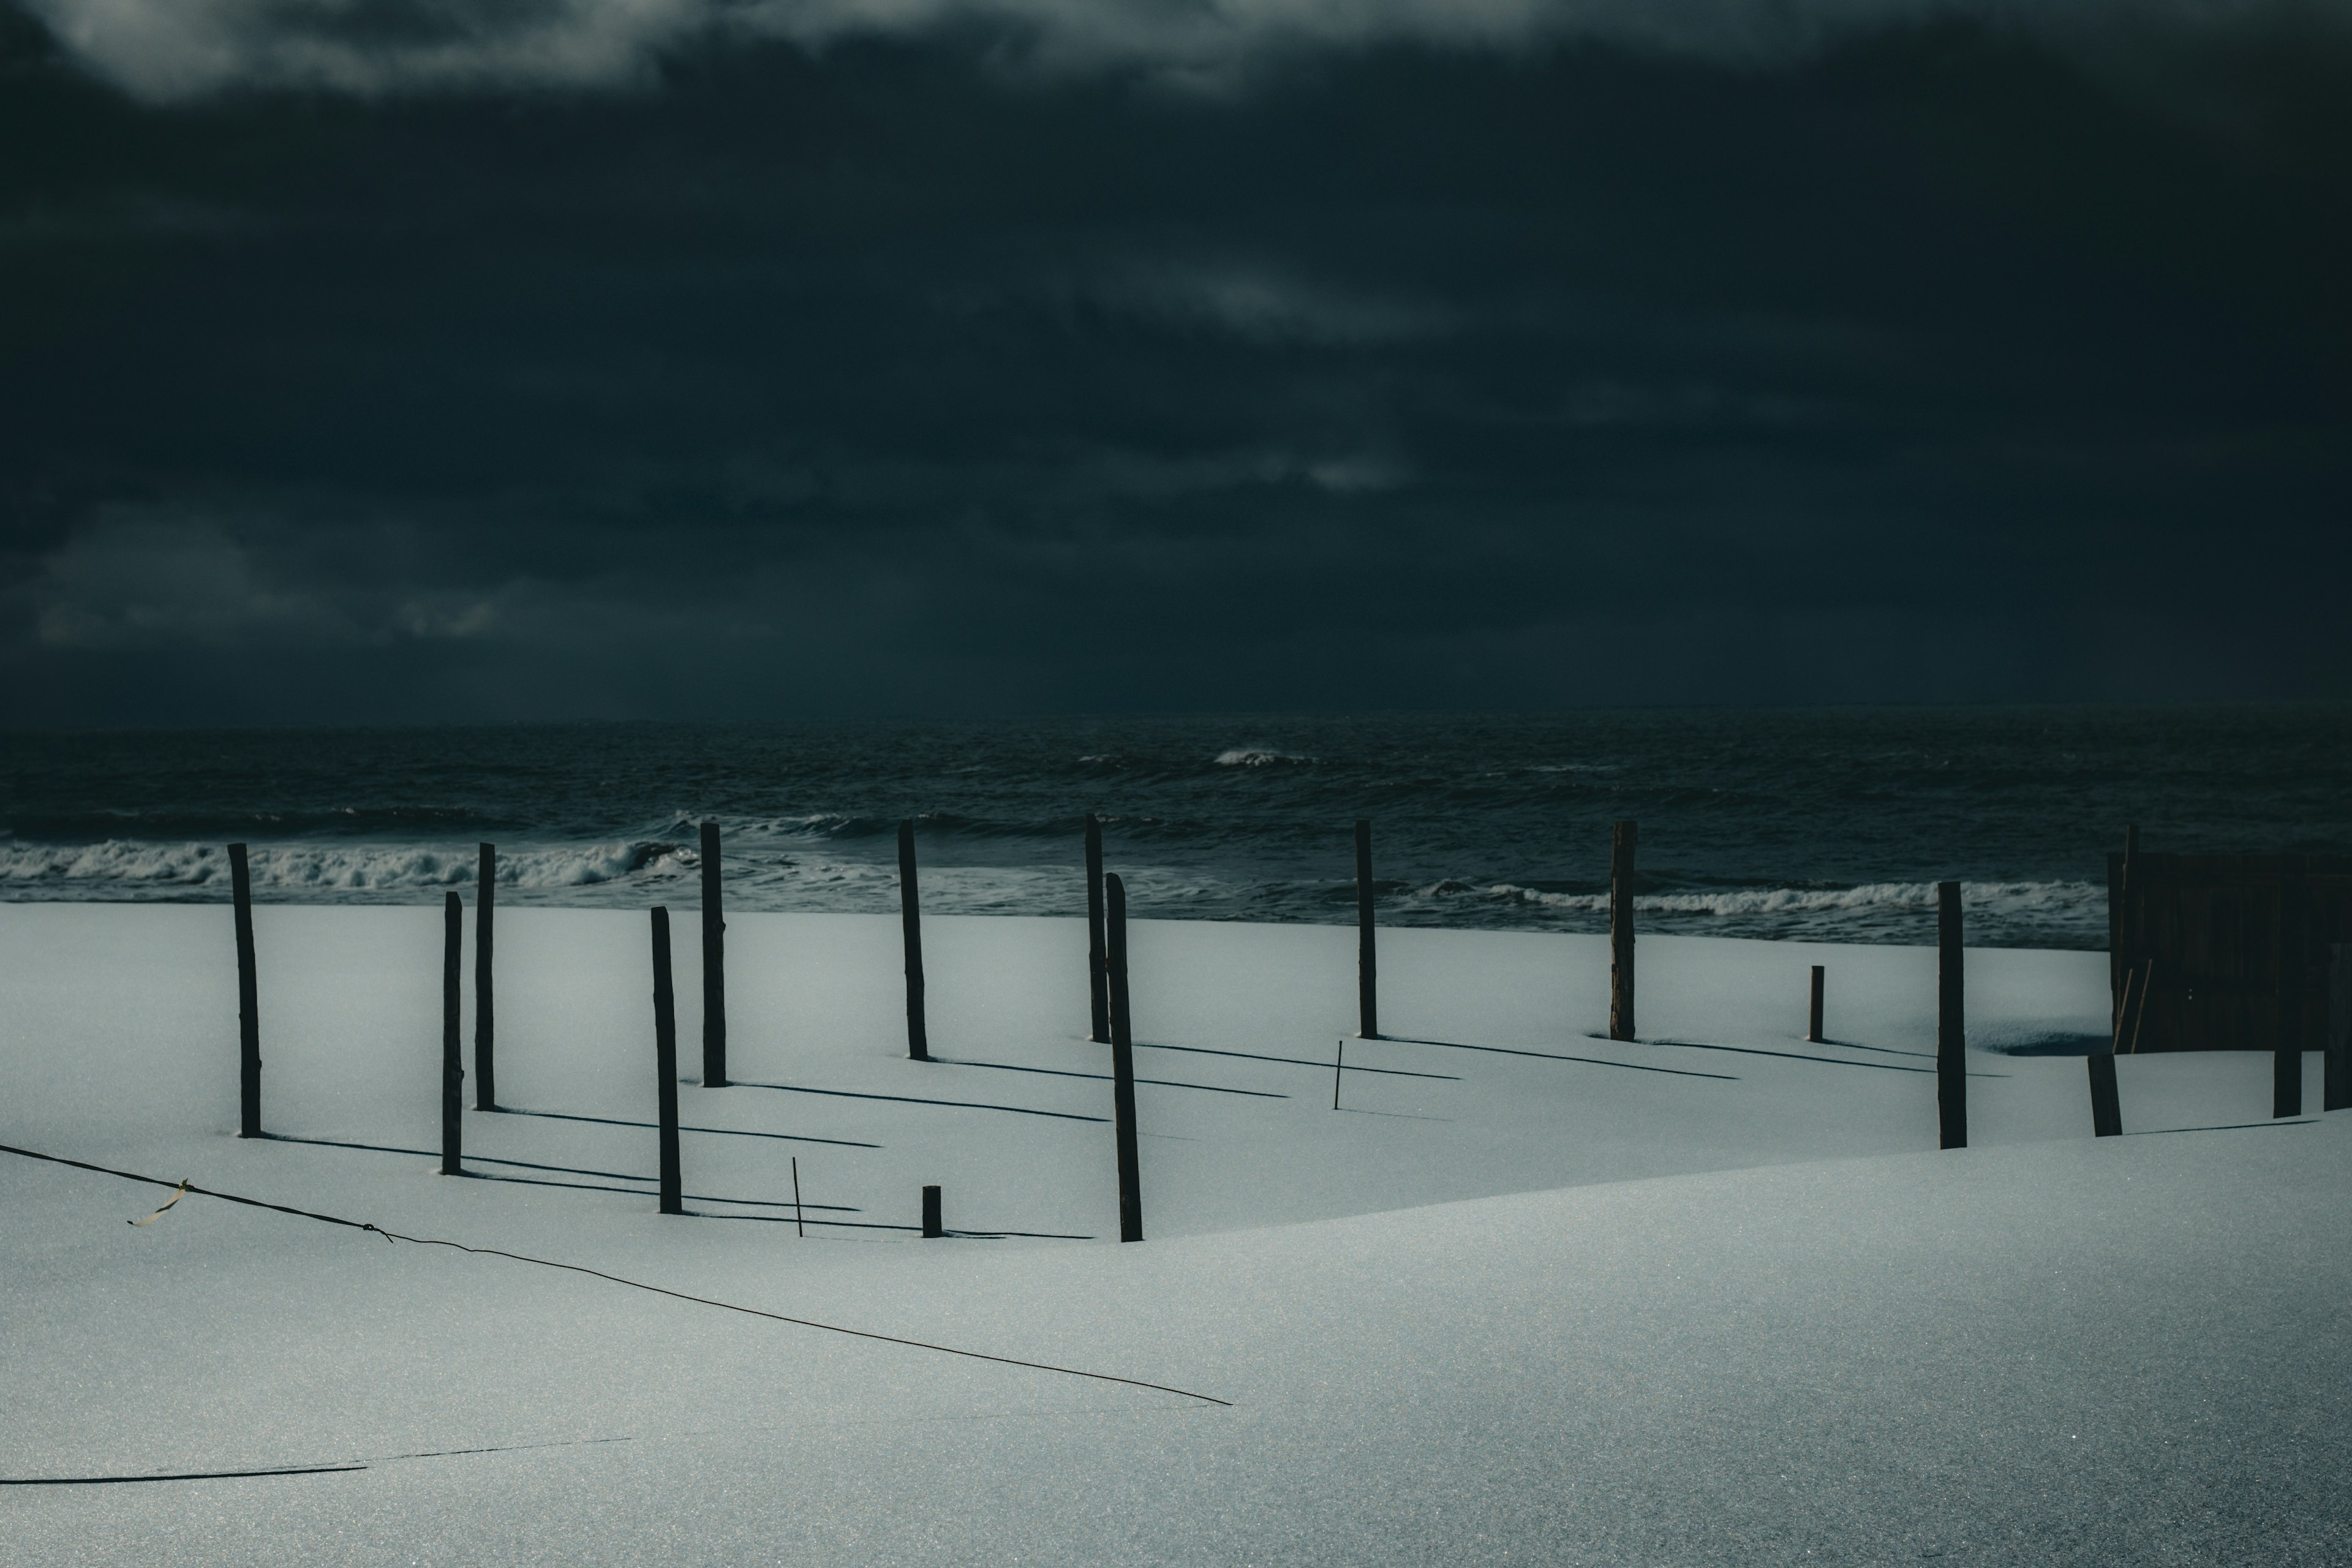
x,y
2119,945
910,915
1122,1064
1368,985
2286,1058
248,1001
2335,1093
1621,931
1098,985
800,1224
673,1198
1813,1028
1951,1022
485,1075
1339,1064
2106,1109
931,1229
453,1062
714,965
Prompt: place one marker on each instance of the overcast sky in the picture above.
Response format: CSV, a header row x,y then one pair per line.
x,y
419,359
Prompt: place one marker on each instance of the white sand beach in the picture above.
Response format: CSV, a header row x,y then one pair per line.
x,y
1528,1295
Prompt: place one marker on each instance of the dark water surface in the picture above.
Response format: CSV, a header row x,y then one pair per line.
x,y
1828,825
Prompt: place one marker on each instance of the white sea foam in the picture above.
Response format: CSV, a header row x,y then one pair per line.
x,y
2010,898
329,868
1258,757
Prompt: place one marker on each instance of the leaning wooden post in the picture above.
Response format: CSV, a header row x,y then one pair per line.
x,y
1122,1065
485,1076
248,1001
910,917
673,1199
1951,1022
2336,1091
1621,931
1098,985
714,965
1368,987
1814,1027
453,1062
932,1230
2106,1108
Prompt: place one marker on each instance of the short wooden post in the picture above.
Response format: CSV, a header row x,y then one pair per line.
x,y
673,1197
931,1227
800,1222
2107,1107
453,1062
249,1000
714,965
2336,1090
1813,1034
1368,985
1621,931
1122,1064
1338,1066
1951,1022
1098,985
485,1075
910,916
2286,1058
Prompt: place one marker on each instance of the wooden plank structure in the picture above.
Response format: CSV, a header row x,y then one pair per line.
x,y
2231,953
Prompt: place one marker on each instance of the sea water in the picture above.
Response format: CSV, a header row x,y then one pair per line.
x,y
1831,825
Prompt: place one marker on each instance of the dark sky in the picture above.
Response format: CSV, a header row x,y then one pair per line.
x,y
425,359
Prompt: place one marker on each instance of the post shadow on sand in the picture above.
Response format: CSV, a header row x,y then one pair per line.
x,y
560,1169
1106,1077
1557,1056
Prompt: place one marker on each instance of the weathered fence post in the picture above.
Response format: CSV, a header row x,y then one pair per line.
x,y
453,1062
932,1230
1368,985
248,1001
673,1199
2336,1091
910,916
2286,1059
486,1073
1951,1022
714,965
799,1220
1122,1065
1621,930
1813,1026
2106,1108
1098,985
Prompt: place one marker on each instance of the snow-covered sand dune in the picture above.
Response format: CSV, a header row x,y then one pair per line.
x,y
1711,1297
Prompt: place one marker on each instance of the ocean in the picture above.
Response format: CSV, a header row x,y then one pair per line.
x,y
1826,824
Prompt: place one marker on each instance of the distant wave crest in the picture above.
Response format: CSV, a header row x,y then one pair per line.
x,y
1259,757
2005,898
336,866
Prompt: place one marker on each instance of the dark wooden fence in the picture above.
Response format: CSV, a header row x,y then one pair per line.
x,y
2240,946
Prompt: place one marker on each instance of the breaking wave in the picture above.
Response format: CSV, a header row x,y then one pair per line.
x,y
1254,757
1995,897
163,867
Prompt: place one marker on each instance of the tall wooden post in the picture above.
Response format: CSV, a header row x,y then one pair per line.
x,y
1951,1022
673,1197
1813,1034
1621,931
714,965
1368,985
2286,1058
1097,982
453,1062
1122,1065
2335,1092
932,1228
486,1073
248,1001
910,916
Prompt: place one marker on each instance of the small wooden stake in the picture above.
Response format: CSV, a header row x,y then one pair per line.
x,y
1813,1034
1367,988
2336,1091
1951,1022
248,1001
799,1223
485,1075
453,1064
1122,1065
673,1197
1621,930
1097,986
931,1229
910,915
1339,1063
714,965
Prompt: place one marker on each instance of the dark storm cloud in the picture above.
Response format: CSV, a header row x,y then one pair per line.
x,y
562,358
